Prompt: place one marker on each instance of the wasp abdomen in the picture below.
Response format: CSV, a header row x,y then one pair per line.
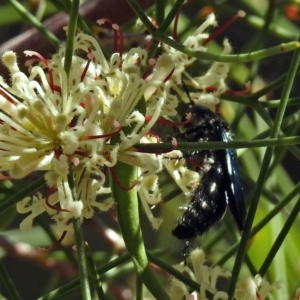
x,y
208,205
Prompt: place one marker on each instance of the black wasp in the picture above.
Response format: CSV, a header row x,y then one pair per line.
x,y
220,183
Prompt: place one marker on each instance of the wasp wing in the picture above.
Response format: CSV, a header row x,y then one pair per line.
x,y
234,190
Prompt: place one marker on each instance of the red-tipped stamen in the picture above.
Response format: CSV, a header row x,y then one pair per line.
x,y
101,136
239,14
113,172
169,75
58,209
247,90
118,35
90,57
174,34
56,244
205,11
45,61
7,95
120,38
230,92
109,21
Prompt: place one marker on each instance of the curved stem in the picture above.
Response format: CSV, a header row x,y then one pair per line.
x,y
51,38
239,58
71,36
126,204
262,175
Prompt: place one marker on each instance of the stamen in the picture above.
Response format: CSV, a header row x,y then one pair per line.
x,y
7,96
55,245
52,206
169,75
44,60
121,39
229,92
118,35
174,35
87,64
239,14
106,135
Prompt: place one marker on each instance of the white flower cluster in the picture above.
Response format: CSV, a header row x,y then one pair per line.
x,y
247,288
82,124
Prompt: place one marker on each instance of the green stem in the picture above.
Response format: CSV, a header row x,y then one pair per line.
x,y
7,204
262,175
239,58
80,246
94,274
261,39
8,283
26,15
261,224
185,146
166,267
82,264
127,209
66,6
280,239
71,36
160,6
171,15
65,291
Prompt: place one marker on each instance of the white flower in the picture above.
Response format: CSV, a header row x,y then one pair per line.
x,y
215,76
56,124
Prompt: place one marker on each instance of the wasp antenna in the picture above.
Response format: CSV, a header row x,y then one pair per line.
x,y
186,91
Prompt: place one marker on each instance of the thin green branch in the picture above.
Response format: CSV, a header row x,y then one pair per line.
x,y
66,6
127,209
160,6
80,245
185,146
71,36
239,58
26,15
262,175
8,283
280,239
82,264
260,40
171,15
68,289
96,280
261,224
